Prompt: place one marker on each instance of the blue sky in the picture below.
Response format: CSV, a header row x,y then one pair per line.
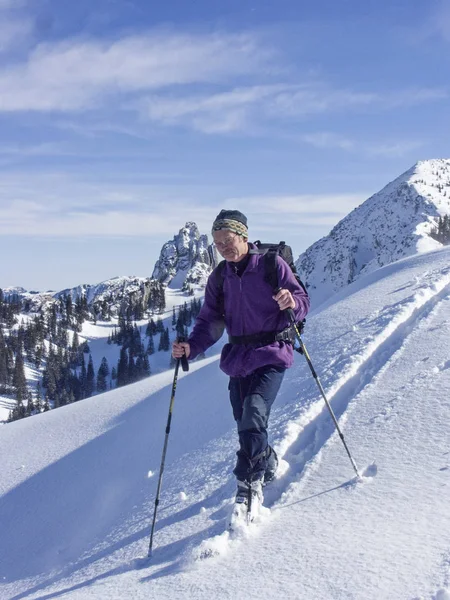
x,y
122,121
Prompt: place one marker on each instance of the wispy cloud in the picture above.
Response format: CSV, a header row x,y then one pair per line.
x,y
79,75
298,210
328,140
243,109
85,74
215,113
63,206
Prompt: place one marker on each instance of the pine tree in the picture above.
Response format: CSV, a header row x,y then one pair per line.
x,y
46,404
38,400
69,306
122,368
4,372
146,366
167,341
19,380
161,341
75,349
102,374
151,328
82,378
38,355
64,397
441,232
131,367
90,378
151,346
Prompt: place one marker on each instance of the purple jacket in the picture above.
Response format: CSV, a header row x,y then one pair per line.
x,y
249,309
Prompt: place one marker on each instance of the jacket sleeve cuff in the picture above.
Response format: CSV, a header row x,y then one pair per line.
x,y
194,350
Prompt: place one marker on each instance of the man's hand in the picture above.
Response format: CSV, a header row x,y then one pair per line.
x,y
180,349
284,299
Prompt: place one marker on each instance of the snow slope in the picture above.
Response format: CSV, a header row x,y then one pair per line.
x,y
76,501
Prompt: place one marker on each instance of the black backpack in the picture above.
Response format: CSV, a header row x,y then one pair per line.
x,y
270,252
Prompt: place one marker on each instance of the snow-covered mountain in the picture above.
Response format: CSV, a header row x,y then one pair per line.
x,y
78,484
35,301
113,293
185,260
106,297
392,224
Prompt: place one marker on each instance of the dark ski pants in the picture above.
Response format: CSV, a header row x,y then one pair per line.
x,y
252,398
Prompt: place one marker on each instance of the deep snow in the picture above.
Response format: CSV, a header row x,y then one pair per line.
x,y
77,498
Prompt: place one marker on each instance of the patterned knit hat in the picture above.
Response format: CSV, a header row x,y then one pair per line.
x,y
233,220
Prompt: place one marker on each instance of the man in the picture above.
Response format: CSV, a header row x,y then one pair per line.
x,y
259,350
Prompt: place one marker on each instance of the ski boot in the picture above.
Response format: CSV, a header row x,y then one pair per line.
x,y
272,465
248,501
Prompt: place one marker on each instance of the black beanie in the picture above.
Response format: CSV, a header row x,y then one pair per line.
x,y
233,220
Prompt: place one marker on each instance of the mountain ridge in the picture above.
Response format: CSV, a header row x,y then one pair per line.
x,y
393,223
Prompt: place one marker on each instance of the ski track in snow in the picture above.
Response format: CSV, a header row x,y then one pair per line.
x,y
307,435
315,431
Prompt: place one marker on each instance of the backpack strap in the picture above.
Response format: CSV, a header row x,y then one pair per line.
x,y
219,276
271,270
270,252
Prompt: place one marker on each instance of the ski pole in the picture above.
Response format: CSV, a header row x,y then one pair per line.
x,y
185,366
304,351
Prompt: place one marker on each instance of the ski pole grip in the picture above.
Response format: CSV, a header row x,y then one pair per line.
x,y
291,314
288,311
183,359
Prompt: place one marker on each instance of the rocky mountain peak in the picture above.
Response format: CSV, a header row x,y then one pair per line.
x,y
393,223
186,260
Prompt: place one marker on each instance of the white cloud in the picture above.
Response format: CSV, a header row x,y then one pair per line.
x,y
330,141
63,206
216,113
243,109
79,75
75,75
300,209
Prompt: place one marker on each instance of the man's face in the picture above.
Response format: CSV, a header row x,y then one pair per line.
x,y
231,246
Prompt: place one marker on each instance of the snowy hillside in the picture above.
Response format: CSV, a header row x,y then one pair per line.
x,y
394,223
97,335
106,297
77,500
